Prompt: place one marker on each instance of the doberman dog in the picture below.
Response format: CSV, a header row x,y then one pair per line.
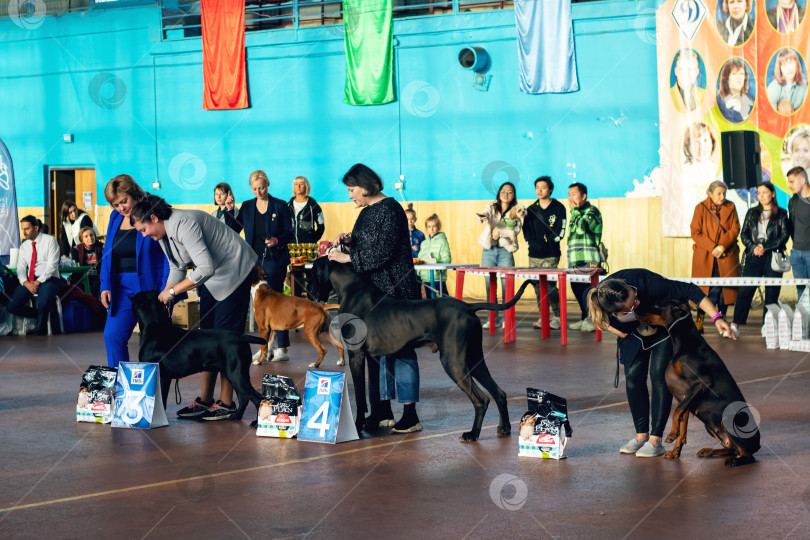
x,y
275,311
702,384
181,353
383,325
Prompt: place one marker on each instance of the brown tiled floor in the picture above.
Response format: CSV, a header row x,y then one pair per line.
x,y
61,479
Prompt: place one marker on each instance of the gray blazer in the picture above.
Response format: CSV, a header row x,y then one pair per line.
x,y
220,258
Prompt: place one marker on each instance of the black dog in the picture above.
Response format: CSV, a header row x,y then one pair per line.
x,y
391,325
702,384
181,353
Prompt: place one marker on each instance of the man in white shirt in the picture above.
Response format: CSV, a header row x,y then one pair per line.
x,y
38,271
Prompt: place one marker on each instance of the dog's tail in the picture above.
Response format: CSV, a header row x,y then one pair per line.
x,y
499,307
253,339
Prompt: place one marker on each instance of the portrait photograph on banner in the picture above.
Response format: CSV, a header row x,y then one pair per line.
x,y
726,66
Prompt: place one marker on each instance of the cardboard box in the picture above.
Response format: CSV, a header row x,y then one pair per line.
x,y
186,314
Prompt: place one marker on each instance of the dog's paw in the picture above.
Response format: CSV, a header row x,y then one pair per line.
x,y
468,437
254,424
341,362
313,365
671,438
705,452
505,430
672,454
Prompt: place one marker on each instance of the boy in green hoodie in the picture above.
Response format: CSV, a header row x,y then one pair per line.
x,y
434,249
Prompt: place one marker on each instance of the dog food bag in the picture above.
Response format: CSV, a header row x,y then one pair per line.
x,y
280,411
771,324
785,326
544,429
803,307
96,395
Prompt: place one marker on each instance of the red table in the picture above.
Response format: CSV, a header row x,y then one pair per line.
x,y
543,274
490,273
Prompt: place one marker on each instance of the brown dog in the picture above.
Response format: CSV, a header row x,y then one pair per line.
x,y
275,311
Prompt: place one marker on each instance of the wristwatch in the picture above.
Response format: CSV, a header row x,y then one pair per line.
x,y
171,292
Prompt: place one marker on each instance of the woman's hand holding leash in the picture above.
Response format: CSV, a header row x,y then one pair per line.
x,y
339,256
166,297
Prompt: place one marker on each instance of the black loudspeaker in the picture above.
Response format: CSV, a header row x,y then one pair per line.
x,y
741,164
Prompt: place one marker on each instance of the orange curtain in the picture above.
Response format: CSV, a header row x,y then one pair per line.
x,y
223,41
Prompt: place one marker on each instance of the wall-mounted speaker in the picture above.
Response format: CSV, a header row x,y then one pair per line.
x,y
741,163
474,58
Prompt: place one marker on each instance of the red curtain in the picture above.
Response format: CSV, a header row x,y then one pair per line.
x,y
223,41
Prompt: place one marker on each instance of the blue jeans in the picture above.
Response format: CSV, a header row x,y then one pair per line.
x,y
399,376
494,257
800,262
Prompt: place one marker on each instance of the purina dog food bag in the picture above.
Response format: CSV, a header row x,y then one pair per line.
x,y
96,395
785,326
544,429
772,326
280,410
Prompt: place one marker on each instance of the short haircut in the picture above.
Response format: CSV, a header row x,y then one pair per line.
x,y
798,171
224,187
363,177
695,129
714,185
148,206
123,183
581,187
307,187
547,180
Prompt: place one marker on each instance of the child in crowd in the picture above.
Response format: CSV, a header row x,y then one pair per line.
x,y
417,236
88,253
435,249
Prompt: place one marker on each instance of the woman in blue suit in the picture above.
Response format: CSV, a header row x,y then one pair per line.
x,y
130,263
268,229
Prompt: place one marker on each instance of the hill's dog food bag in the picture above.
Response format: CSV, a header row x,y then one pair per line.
x,y
280,411
544,429
96,395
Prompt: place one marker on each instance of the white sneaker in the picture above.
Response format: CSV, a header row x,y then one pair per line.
x,y
576,326
554,323
498,324
648,450
257,358
280,356
586,326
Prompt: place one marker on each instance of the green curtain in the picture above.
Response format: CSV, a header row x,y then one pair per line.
x,y
368,28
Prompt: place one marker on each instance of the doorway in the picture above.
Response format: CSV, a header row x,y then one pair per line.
x,y
76,184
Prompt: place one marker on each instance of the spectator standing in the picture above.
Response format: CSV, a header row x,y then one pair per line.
x,y
73,221
584,235
417,236
227,211
799,212
544,229
435,249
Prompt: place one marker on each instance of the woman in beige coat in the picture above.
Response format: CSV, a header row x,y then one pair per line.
x,y
715,228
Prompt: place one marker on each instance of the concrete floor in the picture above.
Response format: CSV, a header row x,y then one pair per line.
x,y
61,479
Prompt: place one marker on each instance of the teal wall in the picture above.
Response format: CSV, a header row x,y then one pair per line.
x,y
134,105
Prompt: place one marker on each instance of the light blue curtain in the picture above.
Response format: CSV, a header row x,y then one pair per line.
x,y
545,39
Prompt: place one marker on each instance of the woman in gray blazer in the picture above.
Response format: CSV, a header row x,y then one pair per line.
x,y
222,272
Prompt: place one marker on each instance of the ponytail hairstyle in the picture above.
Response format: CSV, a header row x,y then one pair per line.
x,y
147,207
608,297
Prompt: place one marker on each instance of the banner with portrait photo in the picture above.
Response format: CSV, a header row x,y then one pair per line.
x,y
727,65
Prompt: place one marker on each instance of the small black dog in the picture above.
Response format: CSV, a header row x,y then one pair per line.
x,y
446,324
702,384
181,353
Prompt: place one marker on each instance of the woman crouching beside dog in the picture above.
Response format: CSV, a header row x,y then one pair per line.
x,y
222,273
613,304
380,251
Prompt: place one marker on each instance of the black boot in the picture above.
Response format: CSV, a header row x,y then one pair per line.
x,y
409,423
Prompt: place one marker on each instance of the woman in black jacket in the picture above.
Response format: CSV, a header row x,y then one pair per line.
x,y
764,231
613,305
307,216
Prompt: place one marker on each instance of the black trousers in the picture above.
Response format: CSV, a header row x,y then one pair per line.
x,y
228,314
579,293
46,294
755,267
637,364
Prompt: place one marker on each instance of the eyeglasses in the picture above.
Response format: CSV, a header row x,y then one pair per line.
x,y
633,304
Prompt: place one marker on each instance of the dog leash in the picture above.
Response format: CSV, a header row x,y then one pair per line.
x,y
177,397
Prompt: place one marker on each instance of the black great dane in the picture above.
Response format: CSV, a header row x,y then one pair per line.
x,y
181,353
391,325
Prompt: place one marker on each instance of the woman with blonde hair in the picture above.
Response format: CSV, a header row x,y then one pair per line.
x,y
307,216
613,305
